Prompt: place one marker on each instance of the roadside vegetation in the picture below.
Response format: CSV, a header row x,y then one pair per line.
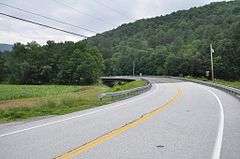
x,y
27,101
55,102
234,84
127,86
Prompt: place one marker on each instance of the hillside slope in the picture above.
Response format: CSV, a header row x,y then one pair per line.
x,y
177,43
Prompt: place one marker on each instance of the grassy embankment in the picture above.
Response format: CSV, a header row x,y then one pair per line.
x,y
127,85
26,101
234,84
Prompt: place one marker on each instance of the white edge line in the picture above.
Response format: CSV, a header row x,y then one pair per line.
x,y
218,143
71,118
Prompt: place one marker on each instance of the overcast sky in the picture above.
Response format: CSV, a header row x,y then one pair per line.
x,y
96,15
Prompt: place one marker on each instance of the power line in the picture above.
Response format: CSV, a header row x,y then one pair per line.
x,y
49,18
113,9
80,12
43,25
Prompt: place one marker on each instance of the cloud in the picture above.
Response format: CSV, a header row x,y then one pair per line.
x,y
97,15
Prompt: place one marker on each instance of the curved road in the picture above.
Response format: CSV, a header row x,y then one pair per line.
x,y
174,119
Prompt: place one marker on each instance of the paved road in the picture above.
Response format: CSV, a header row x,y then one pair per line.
x,y
174,119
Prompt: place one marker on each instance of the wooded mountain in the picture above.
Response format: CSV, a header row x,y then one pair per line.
x,y
177,43
5,47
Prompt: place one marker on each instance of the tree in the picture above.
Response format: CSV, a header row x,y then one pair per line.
x,y
173,65
87,66
2,67
59,63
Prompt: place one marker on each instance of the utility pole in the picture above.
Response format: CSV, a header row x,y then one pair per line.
x,y
133,68
212,69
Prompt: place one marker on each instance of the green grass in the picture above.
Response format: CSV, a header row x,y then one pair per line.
x,y
234,84
127,86
9,92
52,99
59,101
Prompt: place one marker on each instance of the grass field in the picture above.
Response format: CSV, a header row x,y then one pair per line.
x,y
52,102
9,92
26,101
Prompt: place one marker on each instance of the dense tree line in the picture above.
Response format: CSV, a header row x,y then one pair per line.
x,y
58,63
176,44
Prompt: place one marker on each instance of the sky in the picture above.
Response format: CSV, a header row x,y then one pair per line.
x,y
95,15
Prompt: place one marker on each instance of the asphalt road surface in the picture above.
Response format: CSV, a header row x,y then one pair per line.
x,y
174,120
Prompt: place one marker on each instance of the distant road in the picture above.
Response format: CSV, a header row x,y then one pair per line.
x,y
174,120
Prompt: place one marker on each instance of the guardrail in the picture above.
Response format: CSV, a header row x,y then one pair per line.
x,y
233,91
113,96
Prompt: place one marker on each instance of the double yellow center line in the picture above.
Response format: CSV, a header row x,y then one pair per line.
x,y
116,132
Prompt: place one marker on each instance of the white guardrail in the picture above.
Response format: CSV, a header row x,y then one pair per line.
x,y
113,96
233,91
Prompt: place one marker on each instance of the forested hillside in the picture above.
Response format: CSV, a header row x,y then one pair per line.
x,y
176,44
